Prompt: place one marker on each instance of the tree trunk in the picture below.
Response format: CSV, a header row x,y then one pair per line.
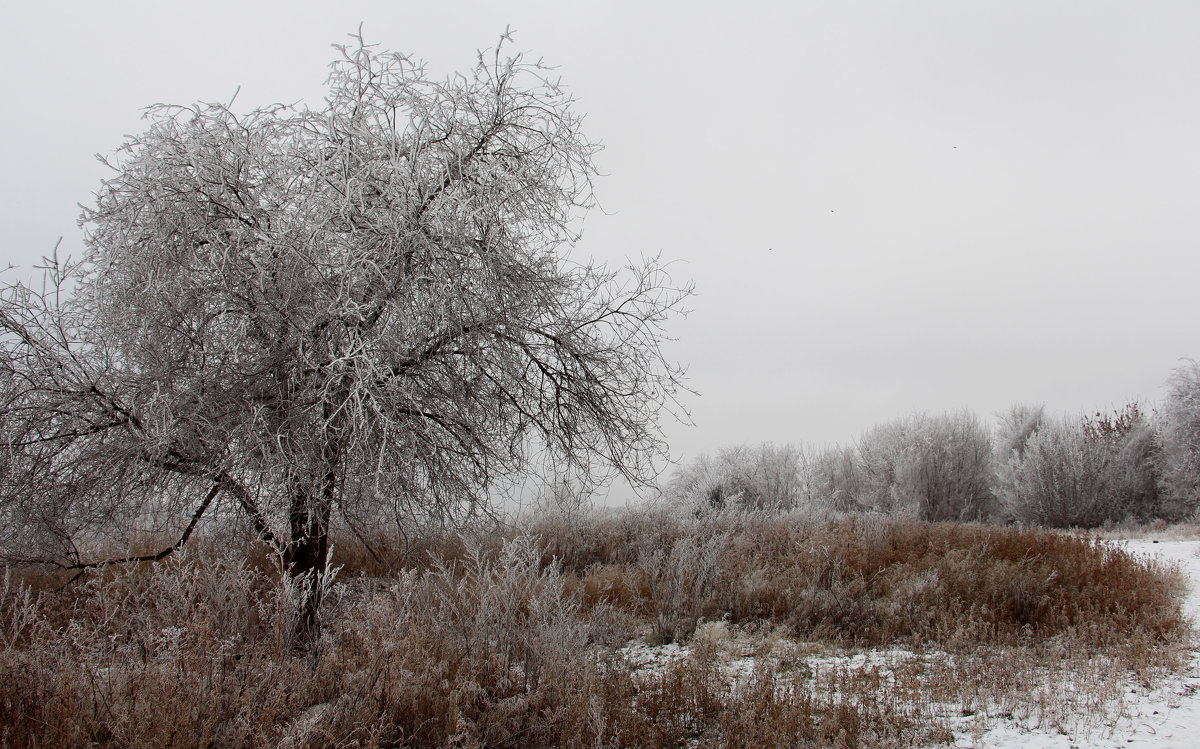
x,y
307,556
306,560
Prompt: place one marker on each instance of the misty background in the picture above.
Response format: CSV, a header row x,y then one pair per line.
x,y
885,207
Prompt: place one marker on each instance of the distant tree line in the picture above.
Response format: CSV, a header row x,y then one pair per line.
x,y
1128,464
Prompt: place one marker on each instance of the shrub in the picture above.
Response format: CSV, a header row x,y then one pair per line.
x,y
1083,472
1132,479
1057,480
763,477
1014,429
834,479
934,467
866,580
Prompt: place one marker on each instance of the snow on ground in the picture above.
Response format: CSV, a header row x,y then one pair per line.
x,y
1165,717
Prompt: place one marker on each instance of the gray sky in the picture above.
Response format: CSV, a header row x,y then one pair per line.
x,y
886,207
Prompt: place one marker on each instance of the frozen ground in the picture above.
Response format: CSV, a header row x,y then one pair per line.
x,y
1168,716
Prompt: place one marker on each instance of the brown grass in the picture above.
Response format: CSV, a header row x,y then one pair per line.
x,y
868,581
515,639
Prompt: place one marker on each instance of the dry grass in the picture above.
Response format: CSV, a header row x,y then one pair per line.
x,y
516,639
866,581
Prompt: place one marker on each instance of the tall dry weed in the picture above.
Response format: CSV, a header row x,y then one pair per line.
x,y
516,639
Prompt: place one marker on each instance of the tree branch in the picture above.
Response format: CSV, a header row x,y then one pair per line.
x,y
187,533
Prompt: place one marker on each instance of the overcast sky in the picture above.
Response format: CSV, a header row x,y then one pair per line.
x,y
886,207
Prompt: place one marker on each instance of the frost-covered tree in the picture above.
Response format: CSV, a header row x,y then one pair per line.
x,y
935,467
1014,428
1179,440
1059,479
761,477
302,313
953,471
881,455
833,478
1083,471
1133,463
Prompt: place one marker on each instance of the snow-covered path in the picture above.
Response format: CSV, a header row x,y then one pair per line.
x,y
1168,716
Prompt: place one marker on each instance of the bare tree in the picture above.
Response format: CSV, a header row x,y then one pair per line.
x,y
299,312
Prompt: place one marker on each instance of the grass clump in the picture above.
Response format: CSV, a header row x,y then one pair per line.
x,y
869,581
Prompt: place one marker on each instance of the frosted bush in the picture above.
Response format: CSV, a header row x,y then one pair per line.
x,y
934,467
763,477
1179,441
1083,472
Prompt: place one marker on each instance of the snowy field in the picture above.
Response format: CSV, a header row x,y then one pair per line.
x,y
1167,716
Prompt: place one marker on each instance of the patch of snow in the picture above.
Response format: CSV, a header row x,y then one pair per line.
x,y
652,659
1167,717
